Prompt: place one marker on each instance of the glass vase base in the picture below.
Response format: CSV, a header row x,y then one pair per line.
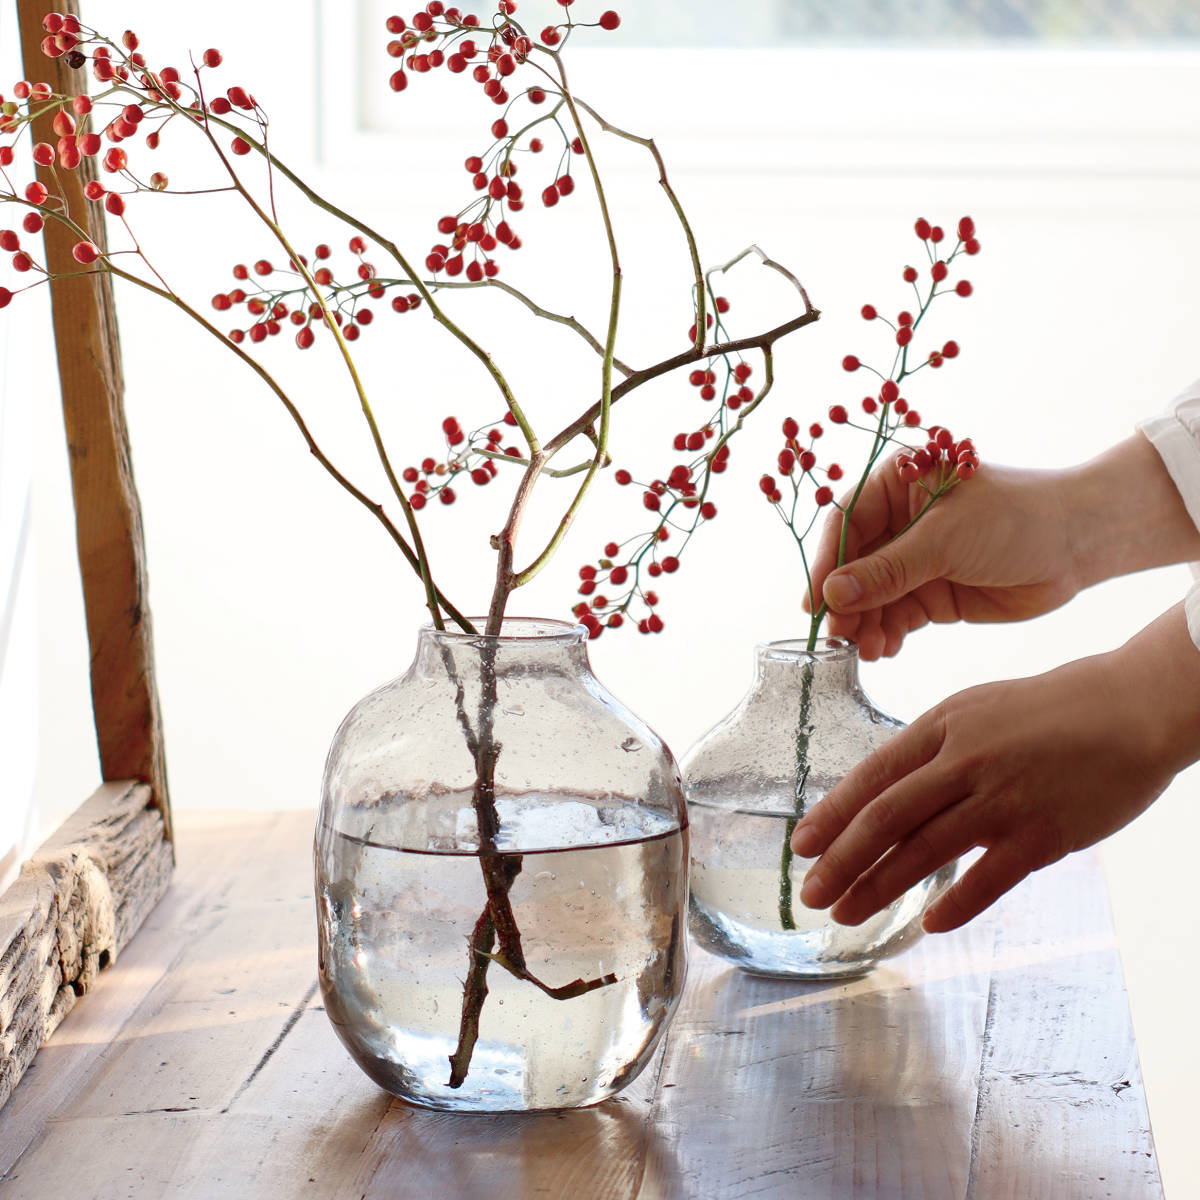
x,y
498,1082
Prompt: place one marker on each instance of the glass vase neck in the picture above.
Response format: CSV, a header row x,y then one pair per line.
x,y
832,665
525,642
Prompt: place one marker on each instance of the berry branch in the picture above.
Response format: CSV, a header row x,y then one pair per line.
x,y
934,468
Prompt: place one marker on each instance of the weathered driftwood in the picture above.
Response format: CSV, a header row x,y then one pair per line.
x,y
77,902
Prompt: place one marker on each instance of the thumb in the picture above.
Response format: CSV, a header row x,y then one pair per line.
x,y
882,577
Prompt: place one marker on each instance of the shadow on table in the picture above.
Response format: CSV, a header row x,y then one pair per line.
x,y
775,1086
580,1154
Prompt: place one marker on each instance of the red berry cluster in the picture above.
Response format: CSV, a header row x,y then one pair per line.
x,y
471,455
940,452
941,462
797,462
273,293
83,126
445,36
679,501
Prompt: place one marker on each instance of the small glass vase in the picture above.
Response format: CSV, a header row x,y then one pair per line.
x,y
804,723
501,871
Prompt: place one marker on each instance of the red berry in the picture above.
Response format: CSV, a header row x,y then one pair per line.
x,y
85,252
834,471
909,471
5,297
936,234
240,146
939,271
950,349
904,335
850,363
623,477
966,228
923,228
790,428
550,196
838,414
964,470
889,391
670,564
910,274
971,246
766,485
619,575
708,510
416,501
609,20
815,430
868,312
963,287
824,496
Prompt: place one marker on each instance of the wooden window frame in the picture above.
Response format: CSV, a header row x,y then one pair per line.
x,y
87,889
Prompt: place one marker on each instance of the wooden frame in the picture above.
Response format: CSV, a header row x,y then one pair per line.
x,y
87,889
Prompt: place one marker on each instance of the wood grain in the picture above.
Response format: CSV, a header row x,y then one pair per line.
x,y
997,1061
108,522
75,905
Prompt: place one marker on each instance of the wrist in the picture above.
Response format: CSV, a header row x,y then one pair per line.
x,y
1157,678
1124,514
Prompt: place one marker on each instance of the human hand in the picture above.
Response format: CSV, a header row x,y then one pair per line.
x,y
1006,545
1028,769
996,548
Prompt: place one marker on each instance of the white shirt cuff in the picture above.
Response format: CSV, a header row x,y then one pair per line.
x,y
1176,436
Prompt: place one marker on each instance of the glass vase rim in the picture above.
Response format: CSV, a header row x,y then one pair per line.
x,y
535,631
826,650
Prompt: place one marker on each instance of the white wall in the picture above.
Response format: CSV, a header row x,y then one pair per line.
x,y
277,603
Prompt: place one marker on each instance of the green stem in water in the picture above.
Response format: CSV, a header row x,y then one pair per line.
x,y
803,733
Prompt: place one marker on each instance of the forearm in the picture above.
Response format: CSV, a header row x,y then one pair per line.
x,y
1124,514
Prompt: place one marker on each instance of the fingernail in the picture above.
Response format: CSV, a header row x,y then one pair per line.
x,y
841,590
805,841
813,892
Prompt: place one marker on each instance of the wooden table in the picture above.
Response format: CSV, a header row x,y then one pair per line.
x,y
997,1061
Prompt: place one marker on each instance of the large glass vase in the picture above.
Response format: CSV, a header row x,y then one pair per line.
x,y
501,869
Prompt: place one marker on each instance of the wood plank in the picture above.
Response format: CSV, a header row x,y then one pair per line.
x,y
763,1089
1061,1100
235,868
75,905
108,520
